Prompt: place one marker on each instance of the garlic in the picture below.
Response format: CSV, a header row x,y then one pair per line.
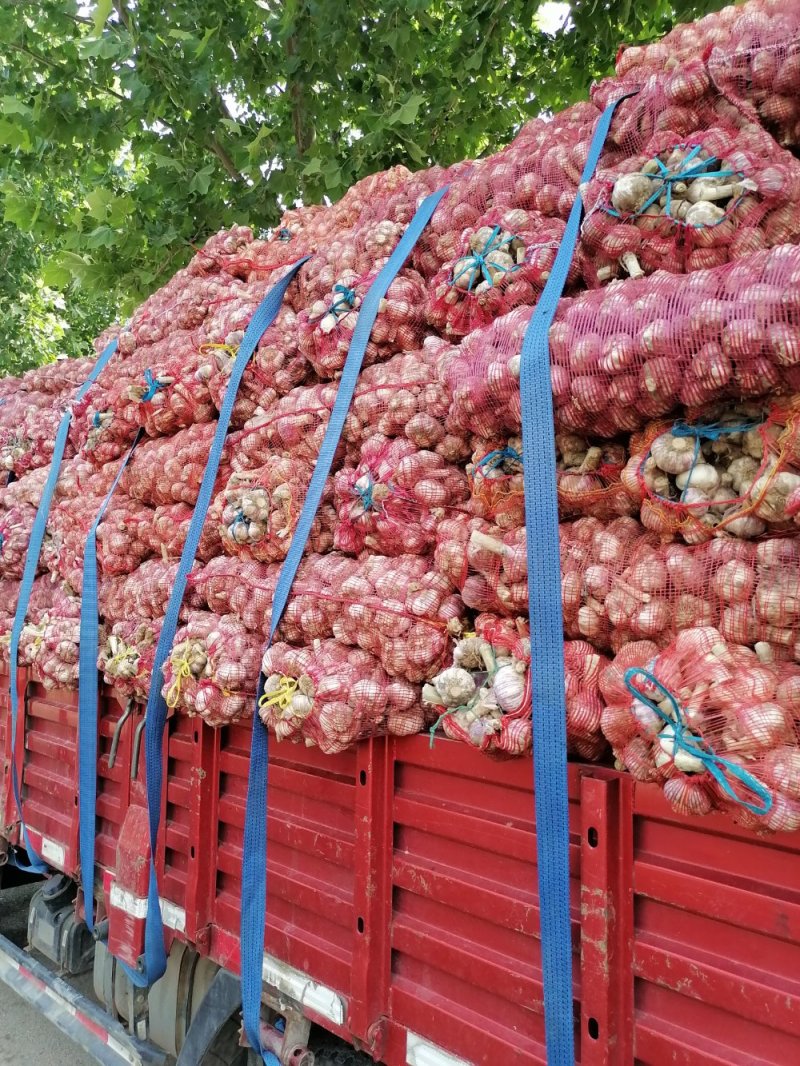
x,y
702,477
631,192
455,686
508,686
684,760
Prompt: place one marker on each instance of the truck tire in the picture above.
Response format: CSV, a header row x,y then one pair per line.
x,y
332,1052
225,1050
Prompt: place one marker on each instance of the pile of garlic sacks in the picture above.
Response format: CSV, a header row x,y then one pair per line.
x,y
675,369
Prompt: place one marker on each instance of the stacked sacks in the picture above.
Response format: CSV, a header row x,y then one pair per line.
x,y
674,381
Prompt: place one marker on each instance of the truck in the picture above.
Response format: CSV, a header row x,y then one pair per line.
x,y
402,914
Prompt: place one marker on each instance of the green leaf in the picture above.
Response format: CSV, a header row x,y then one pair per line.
x,y
314,166
407,113
55,274
98,202
254,147
10,105
180,35
101,237
205,40
101,12
202,179
15,136
22,211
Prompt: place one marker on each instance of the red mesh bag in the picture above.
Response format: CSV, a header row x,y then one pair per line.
x,y
636,350
326,328
484,698
502,262
127,654
401,611
403,397
750,50
165,533
689,202
28,443
260,509
712,724
15,530
246,589
330,696
121,540
145,593
50,638
274,369
170,469
733,471
9,595
60,378
391,501
212,669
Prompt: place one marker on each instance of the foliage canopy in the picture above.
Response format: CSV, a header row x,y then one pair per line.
x,y
132,129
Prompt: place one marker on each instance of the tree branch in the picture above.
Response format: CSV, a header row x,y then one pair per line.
x,y
303,135
225,159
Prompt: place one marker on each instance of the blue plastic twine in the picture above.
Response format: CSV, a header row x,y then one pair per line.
x,y
667,178
685,740
345,300
153,385
492,460
478,264
705,431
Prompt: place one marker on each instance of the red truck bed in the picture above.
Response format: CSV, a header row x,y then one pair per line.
x,y
402,902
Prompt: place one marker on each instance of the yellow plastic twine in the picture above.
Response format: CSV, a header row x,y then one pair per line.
x,y
229,348
183,672
129,655
281,697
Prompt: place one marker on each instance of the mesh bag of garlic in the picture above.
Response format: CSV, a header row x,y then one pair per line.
x,y
750,54
734,470
15,530
712,723
330,695
689,202
169,470
407,396
165,534
144,594
620,582
276,366
483,697
636,350
212,668
335,291
127,654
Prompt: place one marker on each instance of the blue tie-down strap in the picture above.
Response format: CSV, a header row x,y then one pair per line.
x,y
37,864
88,692
254,861
154,962
547,639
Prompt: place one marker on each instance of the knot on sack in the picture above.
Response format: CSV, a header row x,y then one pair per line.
x,y
665,180
128,655
183,671
371,493
281,697
496,458
344,301
97,419
706,431
726,773
284,234
477,264
152,385
2,540
228,349
464,706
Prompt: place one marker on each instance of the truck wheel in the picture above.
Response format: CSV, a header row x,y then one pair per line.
x,y
225,1050
332,1052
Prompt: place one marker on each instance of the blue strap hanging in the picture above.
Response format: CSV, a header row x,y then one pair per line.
x,y
88,689
254,860
547,639
154,963
37,865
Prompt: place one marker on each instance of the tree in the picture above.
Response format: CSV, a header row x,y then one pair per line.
x,y
132,129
